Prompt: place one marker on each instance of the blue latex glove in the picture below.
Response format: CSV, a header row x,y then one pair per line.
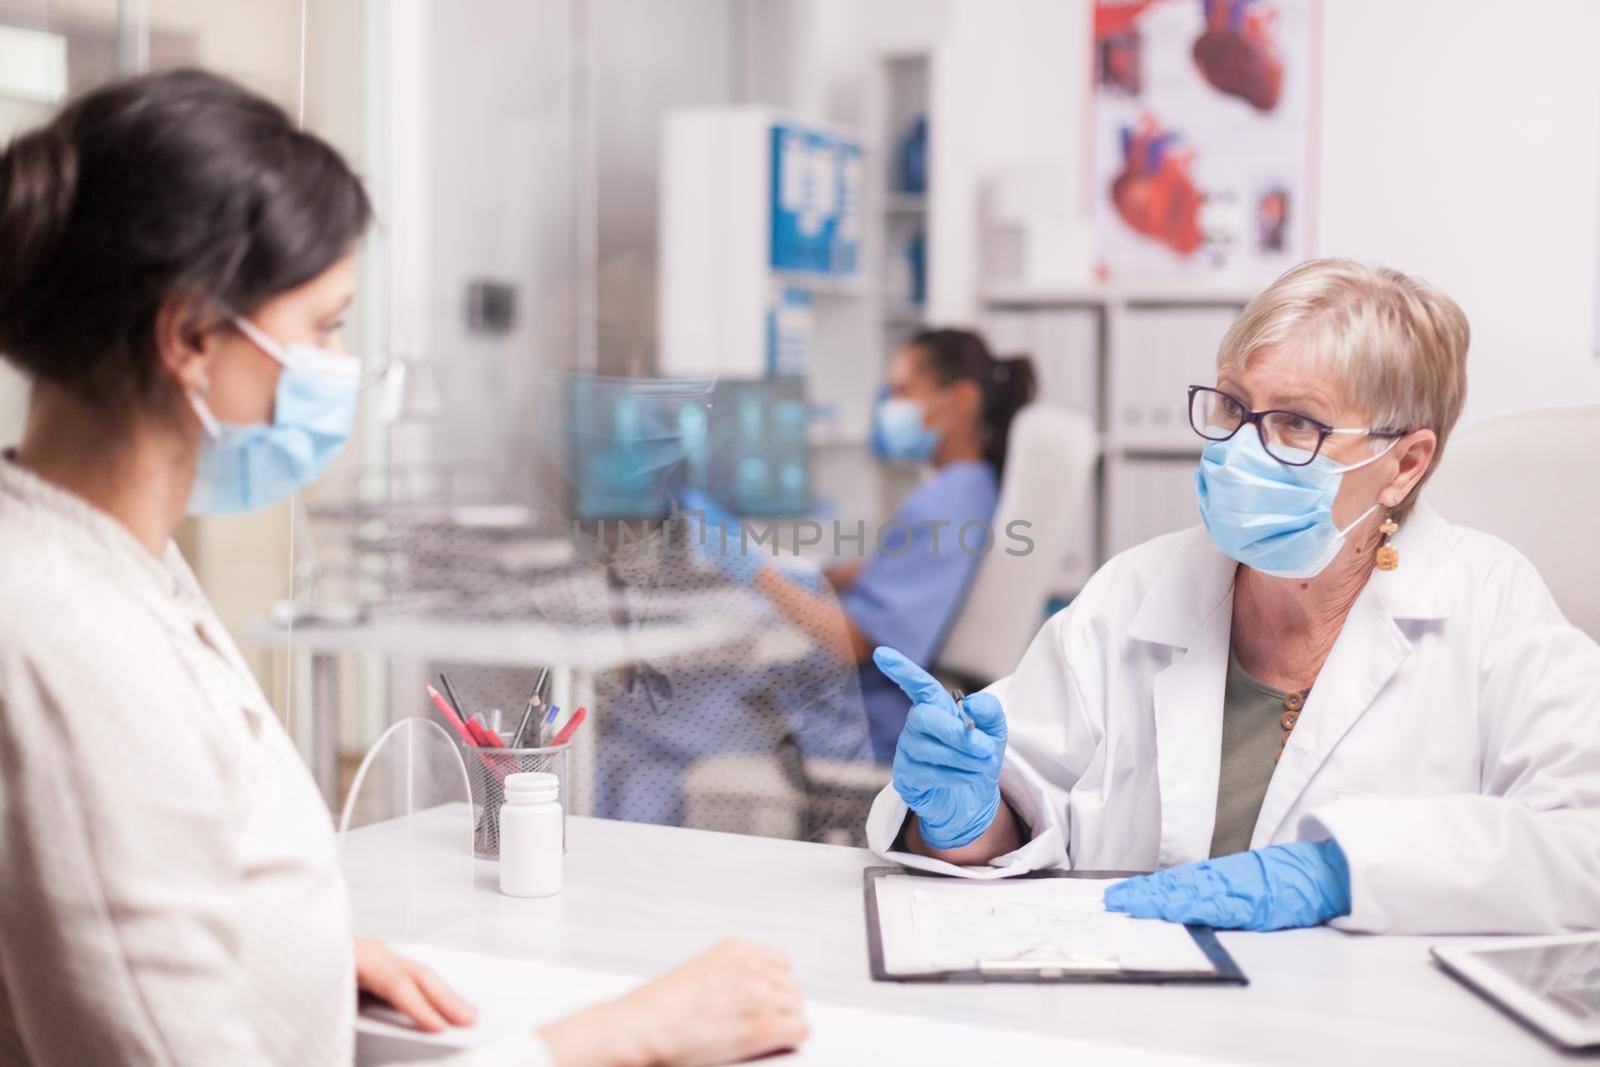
x,y
715,534
948,773
1301,884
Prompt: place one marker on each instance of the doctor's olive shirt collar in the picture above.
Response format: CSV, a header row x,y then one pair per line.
x,y
1187,592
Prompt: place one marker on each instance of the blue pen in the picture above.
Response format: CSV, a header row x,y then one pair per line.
x,y
544,731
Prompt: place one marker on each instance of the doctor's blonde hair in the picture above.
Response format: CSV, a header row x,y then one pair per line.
x,y
1397,345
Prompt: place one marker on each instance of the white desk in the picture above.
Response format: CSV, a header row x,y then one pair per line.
x,y
640,899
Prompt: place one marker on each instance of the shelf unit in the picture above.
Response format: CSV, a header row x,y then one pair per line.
x,y
904,95
1124,356
761,250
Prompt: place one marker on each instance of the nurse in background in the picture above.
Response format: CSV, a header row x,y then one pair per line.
x,y
948,404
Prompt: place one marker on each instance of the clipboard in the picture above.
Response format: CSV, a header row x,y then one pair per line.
x,y
1225,970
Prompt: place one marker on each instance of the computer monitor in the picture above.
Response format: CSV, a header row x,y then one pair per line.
x,y
760,461
635,442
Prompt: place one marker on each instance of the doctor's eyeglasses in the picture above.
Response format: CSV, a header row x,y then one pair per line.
x,y
1288,437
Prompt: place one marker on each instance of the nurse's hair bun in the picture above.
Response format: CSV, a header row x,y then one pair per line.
x,y
38,182
1006,384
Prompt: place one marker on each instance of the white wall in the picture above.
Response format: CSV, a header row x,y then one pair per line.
x,y
494,170
479,177
1461,142
1008,94
642,71
814,57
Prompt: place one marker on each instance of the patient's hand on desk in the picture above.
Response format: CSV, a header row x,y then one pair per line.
x,y
409,987
732,1003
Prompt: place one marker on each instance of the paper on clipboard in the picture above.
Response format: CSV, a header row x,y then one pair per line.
x,y
929,925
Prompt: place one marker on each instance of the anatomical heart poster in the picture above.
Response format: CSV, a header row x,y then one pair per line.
x,y
1204,128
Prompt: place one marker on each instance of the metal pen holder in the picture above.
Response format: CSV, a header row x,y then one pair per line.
x,y
487,769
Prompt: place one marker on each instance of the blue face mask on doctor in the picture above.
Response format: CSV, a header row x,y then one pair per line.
x,y
1268,515
243,468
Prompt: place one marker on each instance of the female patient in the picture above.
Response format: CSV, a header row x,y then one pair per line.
x,y
175,262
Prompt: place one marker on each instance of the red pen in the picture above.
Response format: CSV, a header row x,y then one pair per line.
x,y
468,731
449,714
571,728
484,737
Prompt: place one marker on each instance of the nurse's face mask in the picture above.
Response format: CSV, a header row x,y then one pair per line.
x,y
899,427
1272,511
244,468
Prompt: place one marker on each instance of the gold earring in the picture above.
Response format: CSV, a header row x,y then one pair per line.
x,y
1388,556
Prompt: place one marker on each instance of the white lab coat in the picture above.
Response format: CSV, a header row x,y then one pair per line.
x,y
1451,743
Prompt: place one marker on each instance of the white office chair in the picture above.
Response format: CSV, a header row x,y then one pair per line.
x,y
1049,480
1534,480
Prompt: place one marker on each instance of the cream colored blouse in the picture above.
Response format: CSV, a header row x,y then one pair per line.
x,y
169,892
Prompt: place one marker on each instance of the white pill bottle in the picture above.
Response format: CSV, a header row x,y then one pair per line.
x,y
530,835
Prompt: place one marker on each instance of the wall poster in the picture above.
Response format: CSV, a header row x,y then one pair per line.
x,y
1204,137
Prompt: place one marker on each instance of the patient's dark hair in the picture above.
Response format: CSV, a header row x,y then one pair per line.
x,y
1006,384
175,185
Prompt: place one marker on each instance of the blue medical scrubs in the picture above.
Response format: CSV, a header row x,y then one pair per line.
x,y
908,594
661,719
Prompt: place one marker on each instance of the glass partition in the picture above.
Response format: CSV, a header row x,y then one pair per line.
x,y
543,482
626,301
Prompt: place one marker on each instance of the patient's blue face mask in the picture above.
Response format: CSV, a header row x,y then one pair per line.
x,y
243,468
1267,515
898,433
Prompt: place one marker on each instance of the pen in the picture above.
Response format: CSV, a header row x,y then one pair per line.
x,y
451,693
571,728
959,697
468,737
549,720
522,727
539,686
449,715
487,738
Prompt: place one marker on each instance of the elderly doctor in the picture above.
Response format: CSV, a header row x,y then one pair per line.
x,y
1326,704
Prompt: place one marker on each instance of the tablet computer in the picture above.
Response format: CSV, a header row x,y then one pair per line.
x,y
1551,983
